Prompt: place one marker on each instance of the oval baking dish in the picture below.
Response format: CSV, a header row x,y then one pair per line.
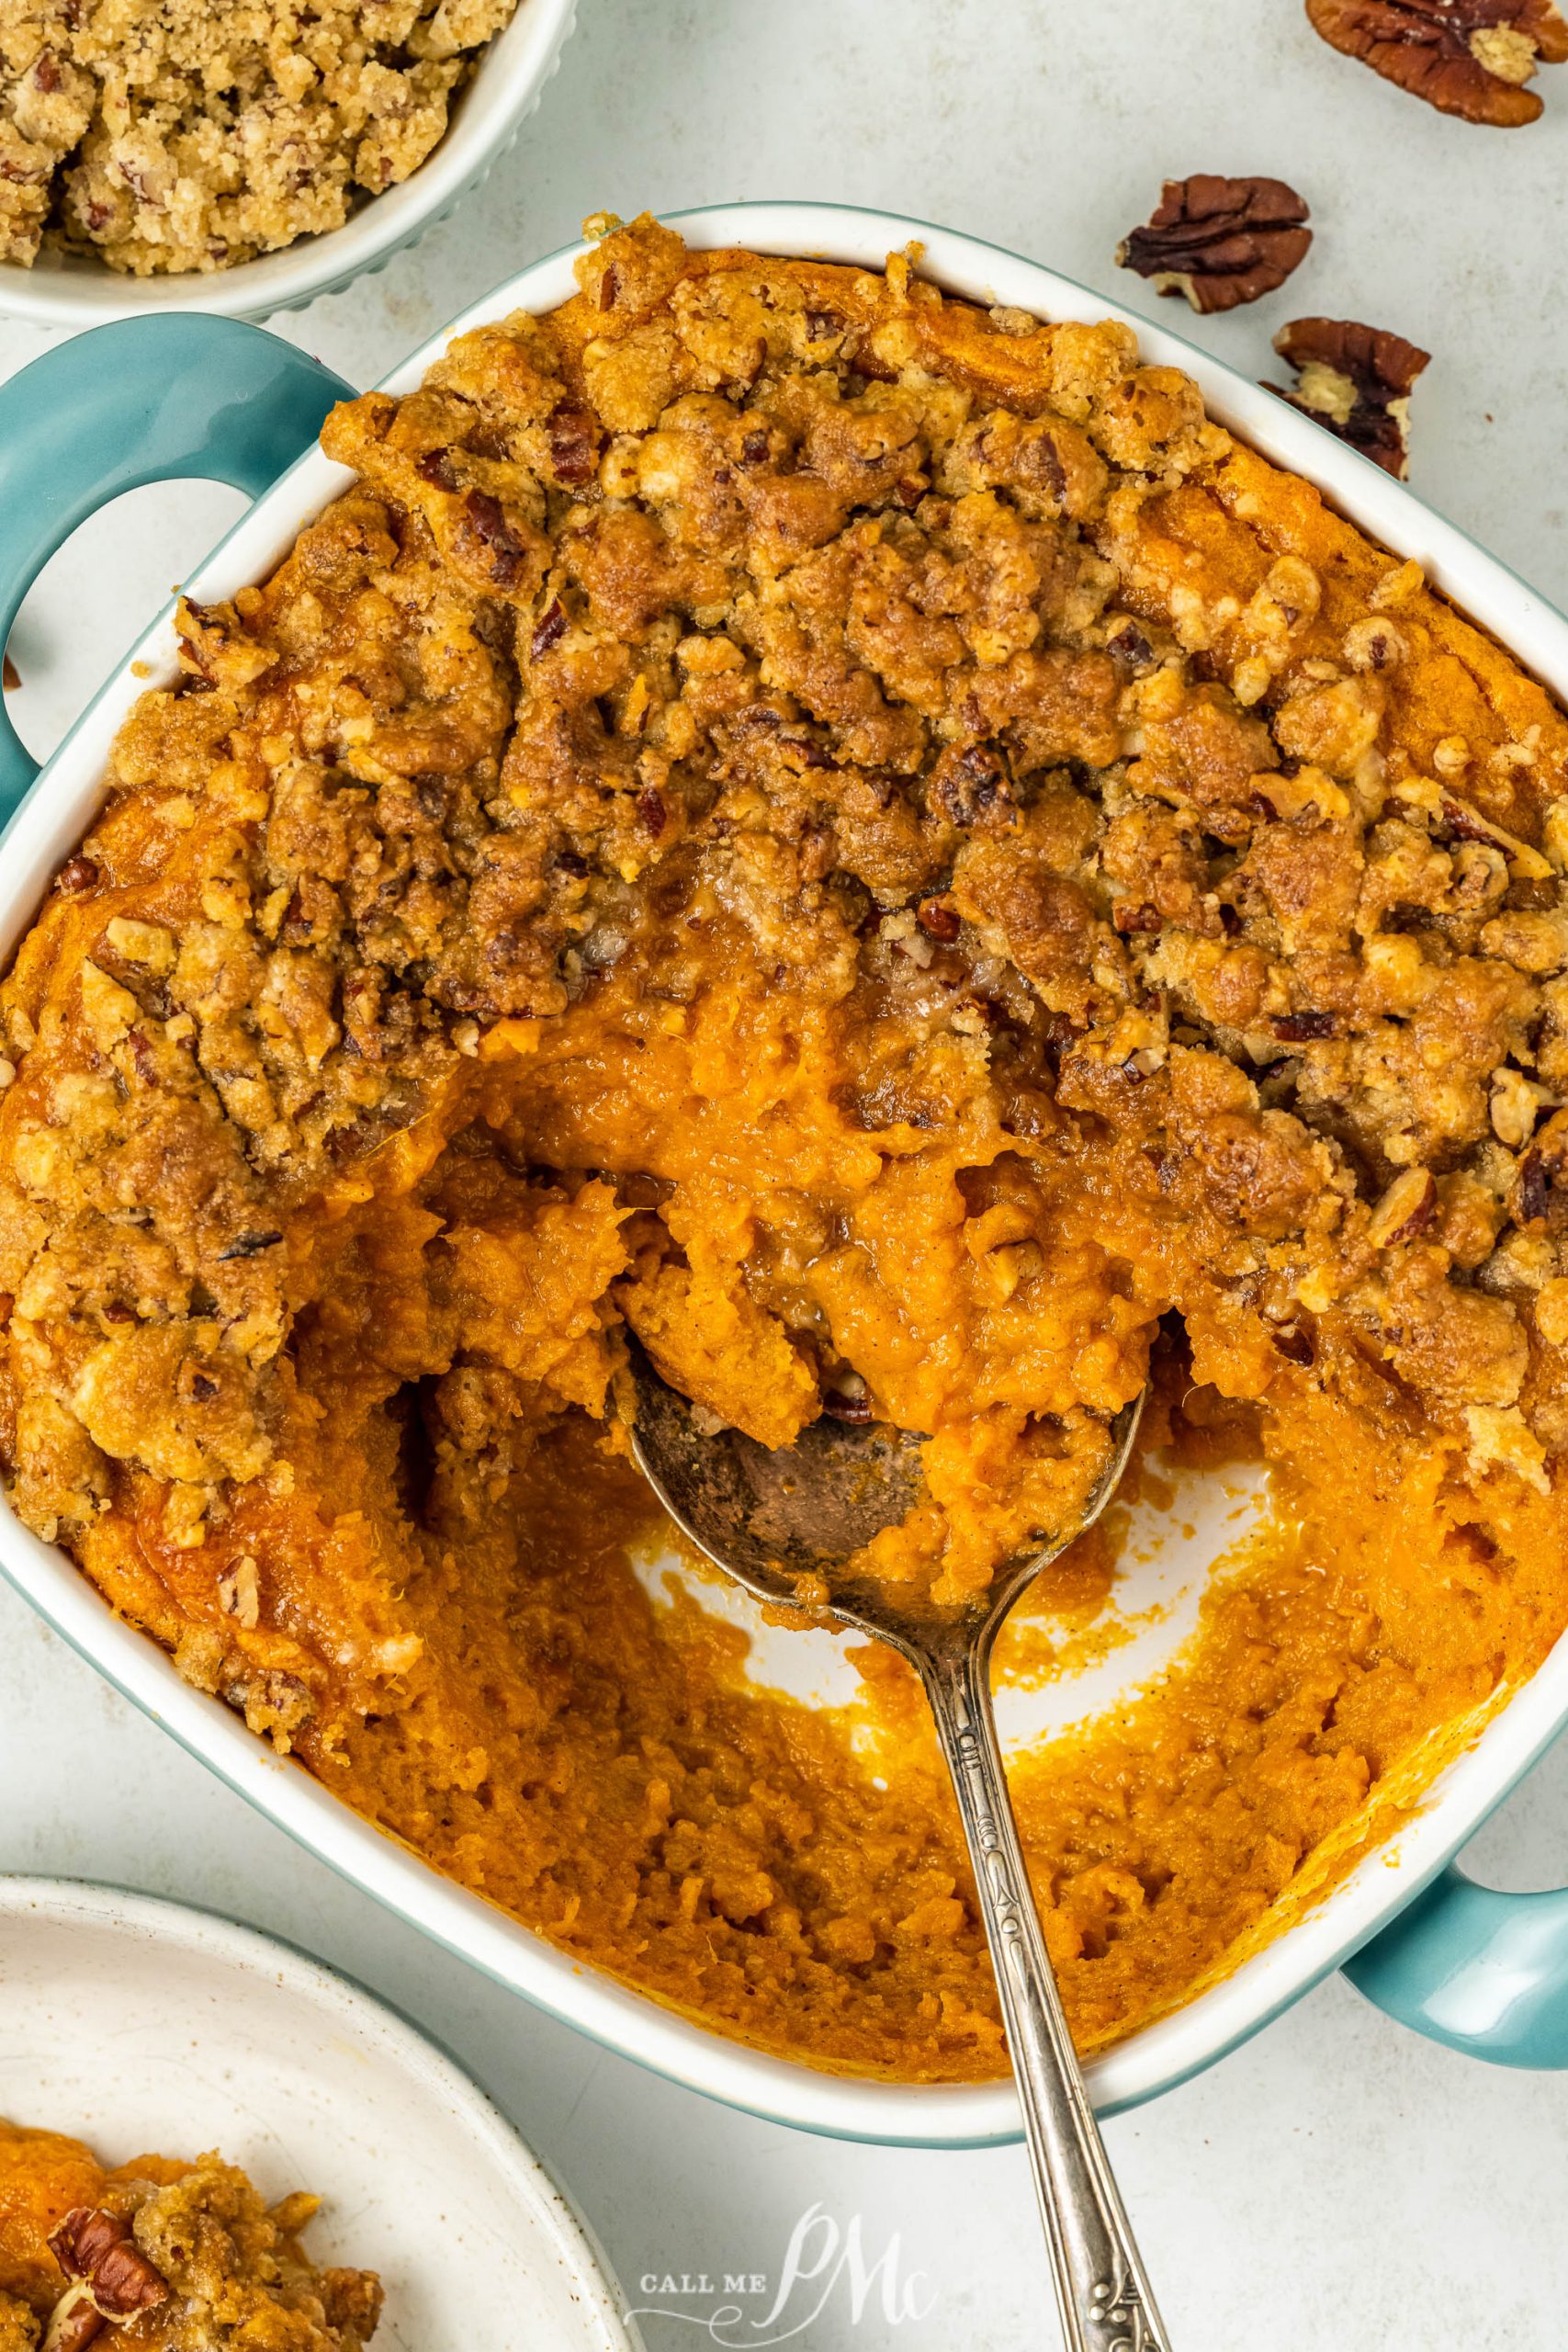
x,y
1481,1970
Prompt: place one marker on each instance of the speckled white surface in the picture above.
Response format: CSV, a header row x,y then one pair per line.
x,y
1335,2187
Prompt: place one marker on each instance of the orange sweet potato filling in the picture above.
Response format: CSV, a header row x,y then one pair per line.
x,y
874,844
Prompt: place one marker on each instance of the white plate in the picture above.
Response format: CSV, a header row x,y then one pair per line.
x,y
141,2025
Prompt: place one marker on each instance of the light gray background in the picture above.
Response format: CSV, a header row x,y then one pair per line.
x,y
1337,2186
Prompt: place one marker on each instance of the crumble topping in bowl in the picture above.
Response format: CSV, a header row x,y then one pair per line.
x,y
877,845
185,136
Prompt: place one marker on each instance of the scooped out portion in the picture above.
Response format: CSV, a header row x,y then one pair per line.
x,y
167,2255
869,842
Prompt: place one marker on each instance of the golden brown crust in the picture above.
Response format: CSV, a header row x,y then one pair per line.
x,y
171,135
876,844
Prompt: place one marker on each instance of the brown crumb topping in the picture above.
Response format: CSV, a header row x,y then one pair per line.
x,y
877,845
181,137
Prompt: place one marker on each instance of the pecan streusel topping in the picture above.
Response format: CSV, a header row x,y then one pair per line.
x,y
874,844
178,136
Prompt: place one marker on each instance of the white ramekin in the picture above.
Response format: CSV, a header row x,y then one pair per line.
x,y
68,290
52,820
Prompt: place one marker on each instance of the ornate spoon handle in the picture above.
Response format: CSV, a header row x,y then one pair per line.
x,y
1103,2289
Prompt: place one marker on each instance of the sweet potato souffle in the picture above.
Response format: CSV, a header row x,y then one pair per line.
x,y
871,843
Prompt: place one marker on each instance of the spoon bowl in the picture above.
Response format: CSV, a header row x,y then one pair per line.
x,y
770,1518
785,1525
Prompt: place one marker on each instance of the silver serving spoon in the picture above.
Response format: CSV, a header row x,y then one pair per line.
x,y
767,1518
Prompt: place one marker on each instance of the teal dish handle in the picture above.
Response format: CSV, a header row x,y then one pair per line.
x,y
1484,1972
144,399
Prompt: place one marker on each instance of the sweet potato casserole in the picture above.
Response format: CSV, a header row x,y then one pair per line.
x,y
170,2256
874,844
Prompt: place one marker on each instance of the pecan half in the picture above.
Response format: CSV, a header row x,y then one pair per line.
x,y
1220,242
1469,58
1356,380
110,2278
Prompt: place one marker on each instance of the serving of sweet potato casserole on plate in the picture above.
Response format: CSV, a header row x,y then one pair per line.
x,y
176,2256
869,842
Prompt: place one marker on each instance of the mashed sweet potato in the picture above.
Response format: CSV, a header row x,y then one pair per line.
x,y
874,843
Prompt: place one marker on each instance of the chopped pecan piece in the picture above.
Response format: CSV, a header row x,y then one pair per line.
x,y
1406,1210
651,809
1471,58
248,1245
1294,1344
1356,380
487,518
1541,1187
1134,914
938,917
1300,1028
1468,824
969,785
550,630
74,2323
1220,242
574,439
436,467
848,1398
10,677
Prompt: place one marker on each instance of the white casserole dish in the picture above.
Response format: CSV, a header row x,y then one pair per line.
x,y
1480,1970
77,291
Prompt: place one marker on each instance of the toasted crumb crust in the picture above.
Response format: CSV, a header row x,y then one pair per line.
x,y
874,844
178,136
